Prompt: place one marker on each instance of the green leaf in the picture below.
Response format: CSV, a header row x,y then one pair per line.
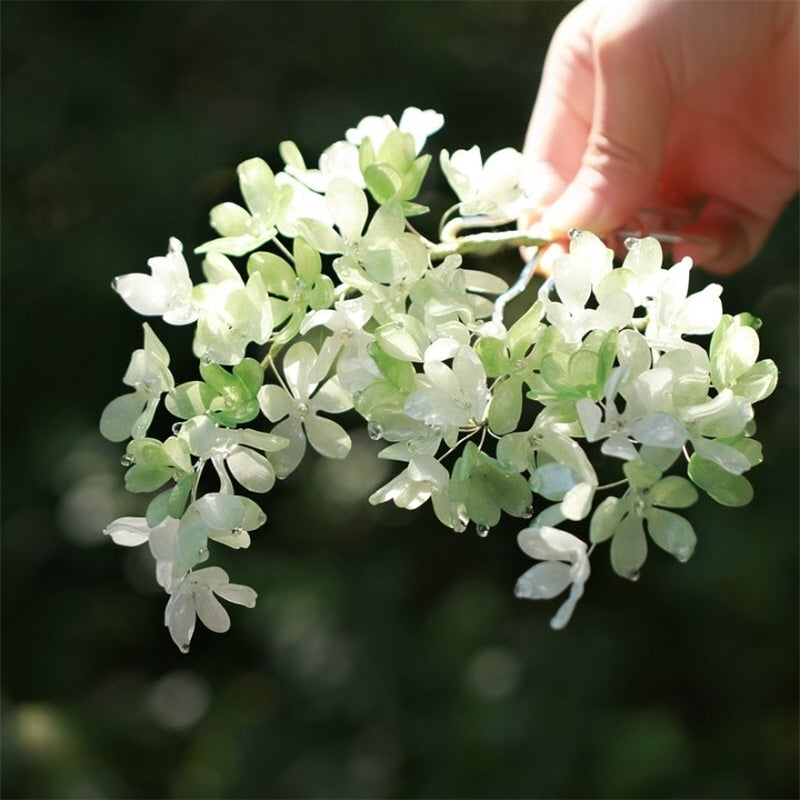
x,y
726,488
671,532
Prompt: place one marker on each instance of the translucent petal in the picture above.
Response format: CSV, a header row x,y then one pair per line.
x,y
226,511
211,612
229,219
332,398
543,581
564,613
327,437
237,593
348,206
577,502
659,430
257,184
252,470
629,547
180,617
672,533
128,531
275,402
119,416
729,458
288,458
143,293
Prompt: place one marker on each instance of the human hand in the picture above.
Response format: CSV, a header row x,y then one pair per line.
x,y
670,102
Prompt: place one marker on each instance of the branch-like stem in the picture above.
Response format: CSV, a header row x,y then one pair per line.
x,y
485,244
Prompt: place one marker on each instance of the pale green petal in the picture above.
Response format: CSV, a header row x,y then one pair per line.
x,y
275,402
327,437
252,470
257,184
348,207
672,533
226,512
229,219
120,415
629,547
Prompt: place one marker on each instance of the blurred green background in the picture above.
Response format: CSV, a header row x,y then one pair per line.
x,y
386,656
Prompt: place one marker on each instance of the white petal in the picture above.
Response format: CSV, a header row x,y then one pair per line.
x,y
211,612
237,593
543,581
180,616
327,437
128,531
252,470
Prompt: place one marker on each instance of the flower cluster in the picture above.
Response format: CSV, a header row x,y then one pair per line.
x,y
485,417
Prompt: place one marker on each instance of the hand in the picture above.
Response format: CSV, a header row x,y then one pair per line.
x,y
670,102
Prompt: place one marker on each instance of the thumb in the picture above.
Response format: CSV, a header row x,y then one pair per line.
x,y
619,169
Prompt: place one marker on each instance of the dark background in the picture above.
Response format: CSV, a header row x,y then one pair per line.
x,y
386,656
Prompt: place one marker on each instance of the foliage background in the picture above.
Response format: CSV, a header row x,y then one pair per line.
x,y
386,655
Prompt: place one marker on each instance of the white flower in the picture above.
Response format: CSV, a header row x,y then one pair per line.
x,y
449,399
673,314
243,229
420,124
166,293
148,373
564,563
492,188
232,313
196,596
340,160
575,275
354,367
237,449
300,411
